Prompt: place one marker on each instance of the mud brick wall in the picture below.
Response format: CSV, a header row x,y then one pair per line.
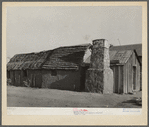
x,y
63,80
99,77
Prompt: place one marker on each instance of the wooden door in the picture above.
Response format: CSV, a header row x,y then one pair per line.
x,y
38,81
116,78
83,78
134,78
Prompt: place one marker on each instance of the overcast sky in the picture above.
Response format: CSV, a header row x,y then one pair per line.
x,y
33,29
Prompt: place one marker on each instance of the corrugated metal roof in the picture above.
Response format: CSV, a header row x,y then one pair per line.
x,y
137,47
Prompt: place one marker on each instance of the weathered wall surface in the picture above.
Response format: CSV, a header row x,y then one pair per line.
x,y
140,58
118,78
35,78
12,77
65,80
123,76
99,77
138,74
108,81
94,81
128,75
15,77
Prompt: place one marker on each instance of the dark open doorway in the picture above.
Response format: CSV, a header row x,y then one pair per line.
x,y
38,81
134,78
83,77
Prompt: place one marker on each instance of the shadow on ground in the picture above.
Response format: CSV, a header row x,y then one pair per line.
x,y
132,101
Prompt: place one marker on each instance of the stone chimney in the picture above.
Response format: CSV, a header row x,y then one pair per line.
x,y
99,77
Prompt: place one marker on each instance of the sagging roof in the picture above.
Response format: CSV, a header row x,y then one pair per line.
x,y
27,61
137,47
116,55
66,57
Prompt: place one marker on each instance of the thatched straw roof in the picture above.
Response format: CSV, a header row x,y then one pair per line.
x,y
66,57
27,61
60,58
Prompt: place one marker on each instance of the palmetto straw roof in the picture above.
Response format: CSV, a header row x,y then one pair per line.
x,y
68,57
27,61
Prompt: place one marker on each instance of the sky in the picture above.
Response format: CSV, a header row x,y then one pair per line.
x,y
34,29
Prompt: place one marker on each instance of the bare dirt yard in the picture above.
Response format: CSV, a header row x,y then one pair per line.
x,y
33,97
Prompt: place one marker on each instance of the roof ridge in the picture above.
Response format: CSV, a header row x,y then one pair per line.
x,y
74,45
127,45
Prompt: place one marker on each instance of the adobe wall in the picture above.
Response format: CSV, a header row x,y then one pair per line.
x,y
64,80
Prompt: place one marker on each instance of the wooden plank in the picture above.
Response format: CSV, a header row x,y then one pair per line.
x,y
116,79
124,79
138,77
113,69
130,71
31,80
127,75
119,75
113,78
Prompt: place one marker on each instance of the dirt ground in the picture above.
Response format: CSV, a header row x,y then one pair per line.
x,y
34,97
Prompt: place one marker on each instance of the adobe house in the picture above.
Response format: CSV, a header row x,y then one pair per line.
x,y
66,68
59,68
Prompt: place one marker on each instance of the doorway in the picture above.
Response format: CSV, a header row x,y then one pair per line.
x,y
83,77
38,81
134,78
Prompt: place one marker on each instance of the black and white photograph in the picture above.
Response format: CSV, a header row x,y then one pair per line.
x,y
78,57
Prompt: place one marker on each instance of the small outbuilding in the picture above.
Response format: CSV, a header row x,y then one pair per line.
x,y
126,70
137,48
60,68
